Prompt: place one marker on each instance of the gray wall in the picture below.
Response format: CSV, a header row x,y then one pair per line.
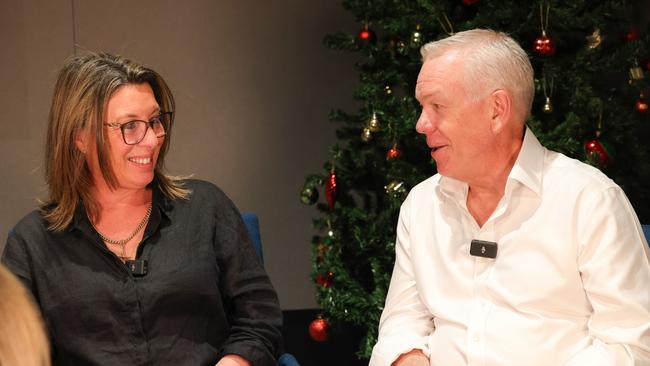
x,y
253,85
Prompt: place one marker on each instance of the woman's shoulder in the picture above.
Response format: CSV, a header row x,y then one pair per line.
x,y
26,236
33,222
205,192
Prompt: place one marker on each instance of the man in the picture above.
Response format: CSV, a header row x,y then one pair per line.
x,y
512,254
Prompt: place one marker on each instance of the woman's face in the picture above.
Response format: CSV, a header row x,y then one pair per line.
x,y
133,165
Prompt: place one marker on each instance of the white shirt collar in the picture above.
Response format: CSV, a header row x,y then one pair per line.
x,y
527,170
529,164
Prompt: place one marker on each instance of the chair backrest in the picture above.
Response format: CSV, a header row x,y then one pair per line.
x,y
253,226
646,232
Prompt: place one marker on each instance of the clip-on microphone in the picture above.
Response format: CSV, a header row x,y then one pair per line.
x,y
138,267
482,248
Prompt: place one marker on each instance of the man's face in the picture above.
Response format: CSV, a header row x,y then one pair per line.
x,y
457,128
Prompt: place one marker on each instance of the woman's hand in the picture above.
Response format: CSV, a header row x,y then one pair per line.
x,y
413,358
233,360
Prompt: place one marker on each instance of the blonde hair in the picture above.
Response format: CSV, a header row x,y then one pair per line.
x,y
22,334
84,86
492,60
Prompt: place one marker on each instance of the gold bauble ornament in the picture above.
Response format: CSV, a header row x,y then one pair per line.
x,y
594,39
366,135
373,123
636,74
395,188
401,48
548,106
416,37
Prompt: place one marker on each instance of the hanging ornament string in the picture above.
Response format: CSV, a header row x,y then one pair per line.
x,y
641,105
548,93
543,20
393,152
330,232
331,191
544,45
446,26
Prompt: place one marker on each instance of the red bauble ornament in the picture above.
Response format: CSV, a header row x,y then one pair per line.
x,y
325,280
366,35
597,153
330,188
393,153
631,35
470,2
544,45
641,105
318,329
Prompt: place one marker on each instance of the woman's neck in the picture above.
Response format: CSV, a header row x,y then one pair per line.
x,y
116,199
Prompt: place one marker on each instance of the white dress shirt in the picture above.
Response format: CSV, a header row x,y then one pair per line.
x,y
570,284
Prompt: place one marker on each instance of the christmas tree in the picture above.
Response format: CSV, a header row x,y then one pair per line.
x,y
591,61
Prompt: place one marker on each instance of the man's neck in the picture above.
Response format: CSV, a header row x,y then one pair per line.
x,y
485,190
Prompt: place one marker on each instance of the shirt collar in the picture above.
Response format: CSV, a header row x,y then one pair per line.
x,y
529,164
527,170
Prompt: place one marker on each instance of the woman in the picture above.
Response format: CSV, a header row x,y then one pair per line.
x,y
22,336
131,266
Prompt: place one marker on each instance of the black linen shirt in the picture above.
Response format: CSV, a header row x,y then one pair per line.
x,y
205,295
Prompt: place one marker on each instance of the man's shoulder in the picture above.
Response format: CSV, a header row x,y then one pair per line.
x,y
423,190
570,172
426,186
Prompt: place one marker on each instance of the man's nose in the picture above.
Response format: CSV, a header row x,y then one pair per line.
x,y
424,124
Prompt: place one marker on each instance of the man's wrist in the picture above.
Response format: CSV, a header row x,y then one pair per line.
x,y
412,354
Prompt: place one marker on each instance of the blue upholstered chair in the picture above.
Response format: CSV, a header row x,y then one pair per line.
x,y
646,232
253,226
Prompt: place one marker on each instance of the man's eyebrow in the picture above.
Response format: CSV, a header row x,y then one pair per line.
x,y
421,93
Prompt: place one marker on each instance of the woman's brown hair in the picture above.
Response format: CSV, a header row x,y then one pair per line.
x,y
83,88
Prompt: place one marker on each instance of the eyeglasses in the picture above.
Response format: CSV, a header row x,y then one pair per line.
x,y
134,131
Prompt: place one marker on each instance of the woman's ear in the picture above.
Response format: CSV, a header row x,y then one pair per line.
x,y
82,141
501,110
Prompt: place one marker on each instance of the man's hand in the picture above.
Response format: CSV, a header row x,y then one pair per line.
x,y
413,358
233,360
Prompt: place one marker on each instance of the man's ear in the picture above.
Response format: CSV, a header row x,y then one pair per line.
x,y
501,109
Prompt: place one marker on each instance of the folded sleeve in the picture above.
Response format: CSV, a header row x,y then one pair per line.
x,y
405,322
252,305
16,258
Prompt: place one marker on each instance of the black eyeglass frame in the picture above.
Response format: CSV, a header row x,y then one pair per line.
x,y
163,116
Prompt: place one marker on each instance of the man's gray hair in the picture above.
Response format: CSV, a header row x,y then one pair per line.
x,y
491,60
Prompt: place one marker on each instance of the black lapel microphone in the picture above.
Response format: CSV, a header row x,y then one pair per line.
x,y
482,248
138,267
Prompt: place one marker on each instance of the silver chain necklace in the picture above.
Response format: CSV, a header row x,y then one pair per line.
x,y
123,242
